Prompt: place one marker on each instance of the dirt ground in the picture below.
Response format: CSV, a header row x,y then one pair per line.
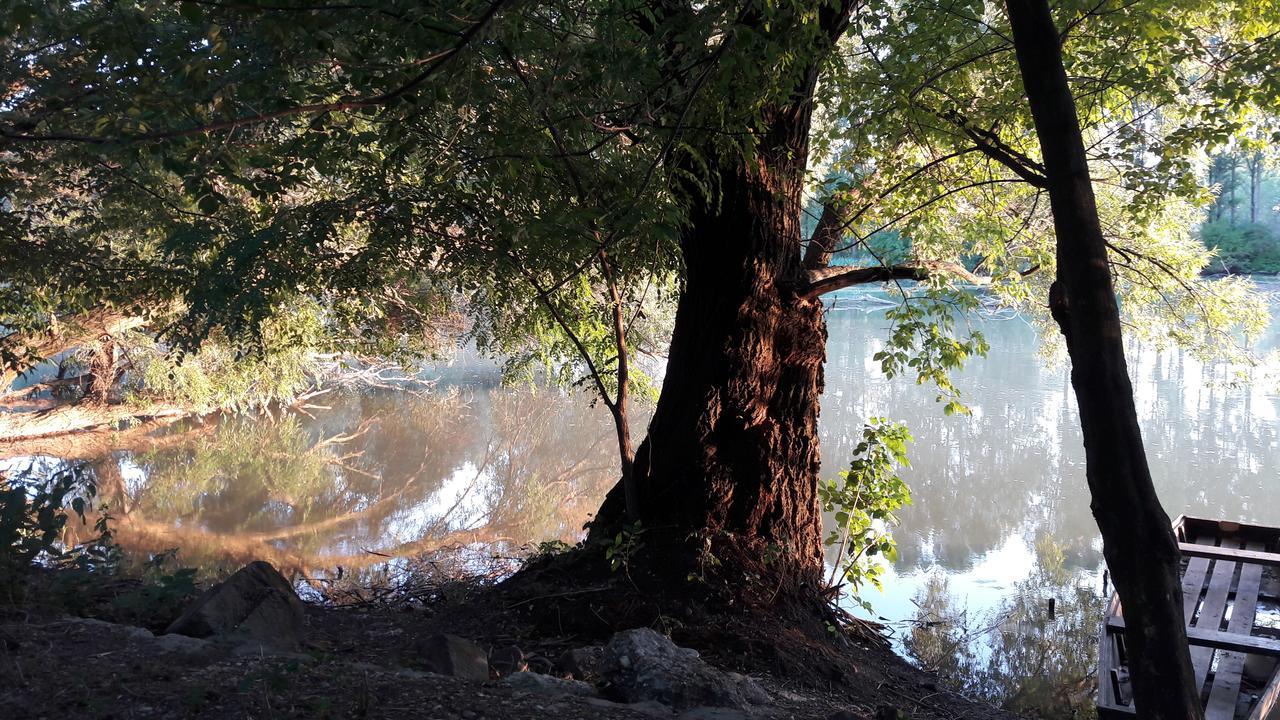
x,y
360,662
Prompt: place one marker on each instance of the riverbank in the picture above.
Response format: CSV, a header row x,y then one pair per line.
x,y
382,660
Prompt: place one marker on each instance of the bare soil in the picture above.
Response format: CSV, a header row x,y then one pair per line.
x,y
361,662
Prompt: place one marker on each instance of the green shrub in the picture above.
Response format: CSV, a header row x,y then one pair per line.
x,y
33,514
864,499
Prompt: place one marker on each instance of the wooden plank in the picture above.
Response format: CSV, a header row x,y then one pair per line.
x,y
1107,695
1226,680
1199,637
1223,553
1210,615
1192,584
1268,705
1207,527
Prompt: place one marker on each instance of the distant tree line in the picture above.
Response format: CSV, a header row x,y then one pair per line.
x,y
1243,223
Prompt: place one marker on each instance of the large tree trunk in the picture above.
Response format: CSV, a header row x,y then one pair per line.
x,y
730,464
20,350
1138,544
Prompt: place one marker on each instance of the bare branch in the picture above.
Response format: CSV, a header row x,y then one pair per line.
x,y
824,280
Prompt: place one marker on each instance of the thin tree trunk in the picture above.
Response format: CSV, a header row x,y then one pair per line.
x,y
1234,182
1255,186
1138,543
1215,210
620,407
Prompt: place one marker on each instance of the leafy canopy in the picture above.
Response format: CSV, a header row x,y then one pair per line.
x,y
215,163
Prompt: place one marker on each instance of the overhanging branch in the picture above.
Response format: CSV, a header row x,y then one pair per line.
x,y
829,279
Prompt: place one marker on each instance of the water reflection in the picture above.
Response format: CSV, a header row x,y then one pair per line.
x,y
368,478
1034,654
993,491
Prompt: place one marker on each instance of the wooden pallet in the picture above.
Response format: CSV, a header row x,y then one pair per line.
x,y
1221,585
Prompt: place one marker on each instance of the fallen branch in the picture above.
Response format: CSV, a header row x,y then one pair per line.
x,y
81,417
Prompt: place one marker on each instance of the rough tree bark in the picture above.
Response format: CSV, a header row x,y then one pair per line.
x,y
730,465
102,368
1138,544
67,334
732,450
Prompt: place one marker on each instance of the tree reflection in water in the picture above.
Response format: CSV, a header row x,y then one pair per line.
x,y
1034,655
375,477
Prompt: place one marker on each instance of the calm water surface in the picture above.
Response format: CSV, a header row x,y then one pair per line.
x,y
999,575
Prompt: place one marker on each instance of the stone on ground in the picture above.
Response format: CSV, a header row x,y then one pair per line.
x,y
256,604
536,682
507,660
452,655
581,663
641,665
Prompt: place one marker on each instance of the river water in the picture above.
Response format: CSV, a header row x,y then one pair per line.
x,y
998,581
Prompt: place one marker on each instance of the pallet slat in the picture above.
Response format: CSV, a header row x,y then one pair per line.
x,y
1256,557
1226,681
1223,559
1210,615
1199,637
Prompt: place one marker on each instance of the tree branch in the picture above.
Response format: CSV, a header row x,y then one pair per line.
x,y
824,280
435,62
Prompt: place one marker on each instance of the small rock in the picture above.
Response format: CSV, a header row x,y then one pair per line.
x,y
130,631
750,689
256,603
534,682
451,655
713,713
507,660
642,665
179,644
889,712
581,663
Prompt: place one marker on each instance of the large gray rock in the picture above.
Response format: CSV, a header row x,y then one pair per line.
x,y
641,665
452,655
255,604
